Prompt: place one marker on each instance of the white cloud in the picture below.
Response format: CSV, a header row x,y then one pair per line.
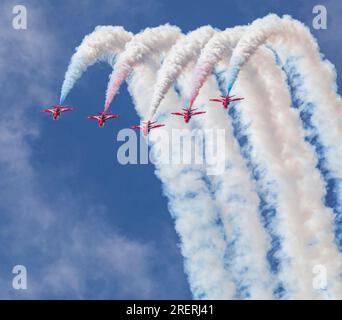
x,y
65,254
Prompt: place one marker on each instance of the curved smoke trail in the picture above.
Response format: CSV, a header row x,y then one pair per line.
x,y
301,215
220,45
258,33
103,42
320,109
291,38
150,41
311,187
185,50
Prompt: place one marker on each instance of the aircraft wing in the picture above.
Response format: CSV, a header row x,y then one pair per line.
x,y
135,127
112,117
47,110
216,100
157,126
237,99
200,112
66,109
177,114
93,118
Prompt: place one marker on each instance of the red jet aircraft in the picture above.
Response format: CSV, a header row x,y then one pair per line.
x,y
103,117
57,110
146,127
188,113
225,100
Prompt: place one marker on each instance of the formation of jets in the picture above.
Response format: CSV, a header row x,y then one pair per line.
x,y
146,126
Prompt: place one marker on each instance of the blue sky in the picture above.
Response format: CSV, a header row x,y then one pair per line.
x,y
83,225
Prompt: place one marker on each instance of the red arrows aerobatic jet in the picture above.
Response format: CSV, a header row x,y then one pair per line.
x,y
225,100
57,110
188,113
146,127
103,117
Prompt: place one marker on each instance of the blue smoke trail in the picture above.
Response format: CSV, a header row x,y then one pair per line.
x,y
242,289
232,74
306,111
267,198
74,71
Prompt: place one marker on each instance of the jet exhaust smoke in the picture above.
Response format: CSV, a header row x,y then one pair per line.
x,y
103,43
184,51
150,41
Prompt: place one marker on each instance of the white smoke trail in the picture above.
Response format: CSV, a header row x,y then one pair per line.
x,y
184,51
150,41
202,241
257,34
293,38
291,163
103,42
238,204
218,47
305,182
317,96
